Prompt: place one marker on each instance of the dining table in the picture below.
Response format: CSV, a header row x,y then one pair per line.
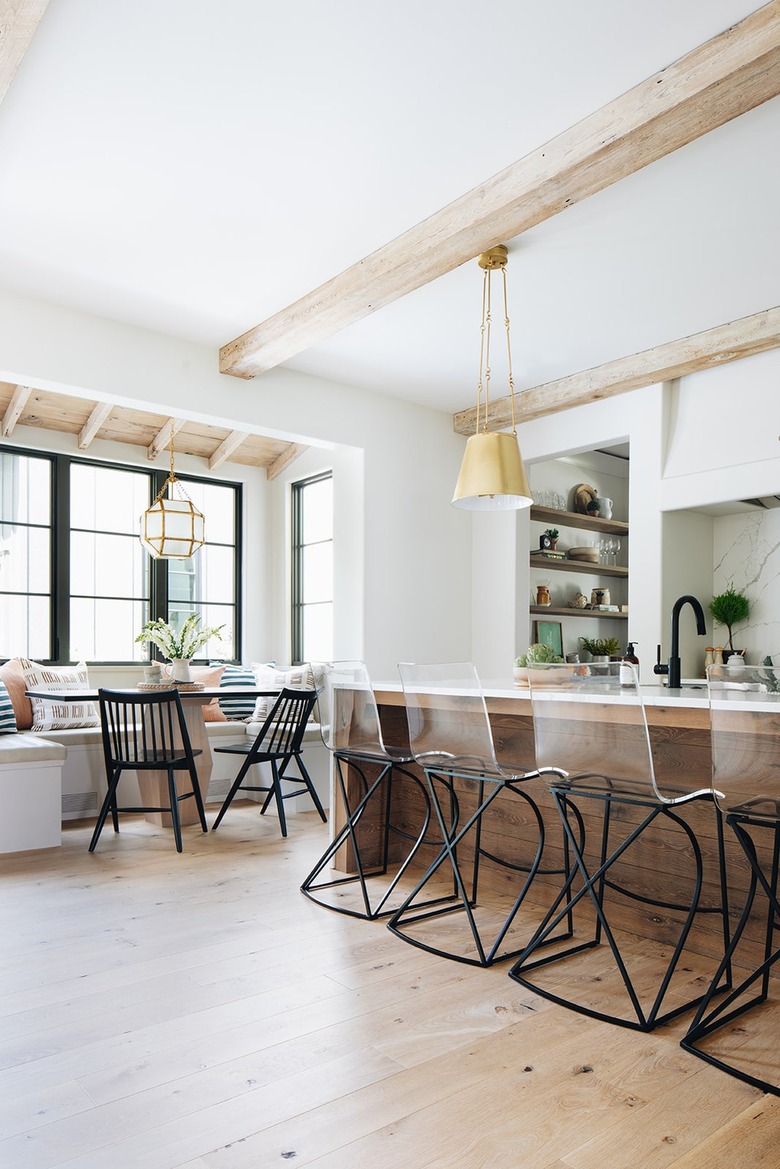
x,y
153,785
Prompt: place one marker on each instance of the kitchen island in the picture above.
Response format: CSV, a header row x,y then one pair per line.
x,y
678,722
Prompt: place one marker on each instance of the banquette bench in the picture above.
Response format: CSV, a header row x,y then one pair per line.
x,y
58,775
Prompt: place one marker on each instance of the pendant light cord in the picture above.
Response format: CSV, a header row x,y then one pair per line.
x,y
483,383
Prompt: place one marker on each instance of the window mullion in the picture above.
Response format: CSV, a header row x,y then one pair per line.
x,y
61,559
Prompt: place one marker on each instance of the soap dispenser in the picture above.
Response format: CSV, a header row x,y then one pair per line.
x,y
629,659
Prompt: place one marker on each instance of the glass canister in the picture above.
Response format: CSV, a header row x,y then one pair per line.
x,y
543,595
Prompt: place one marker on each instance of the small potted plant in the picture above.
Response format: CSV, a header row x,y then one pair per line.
x,y
729,609
553,533
594,506
600,648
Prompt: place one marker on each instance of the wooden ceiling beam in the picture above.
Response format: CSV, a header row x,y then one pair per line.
x,y
227,448
742,338
94,423
718,81
18,23
293,452
15,408
163,438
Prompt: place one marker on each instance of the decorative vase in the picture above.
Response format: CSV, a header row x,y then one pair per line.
x,y
180,670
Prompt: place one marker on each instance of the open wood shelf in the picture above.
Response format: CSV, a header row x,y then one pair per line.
x,y
572,519
558,612
579,566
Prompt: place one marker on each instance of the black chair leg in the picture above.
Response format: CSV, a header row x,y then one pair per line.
x,y
108,803
174,801
232,793
198,799
277,789
307,780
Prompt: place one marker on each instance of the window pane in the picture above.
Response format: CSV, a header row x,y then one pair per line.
x,y
24,559
106,630
218,505
107,500
25,627
317,632
318,573
108,566
216,568
214,616
25,489
318,511
181,581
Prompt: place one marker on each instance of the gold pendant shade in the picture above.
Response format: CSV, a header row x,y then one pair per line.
x,y
492,476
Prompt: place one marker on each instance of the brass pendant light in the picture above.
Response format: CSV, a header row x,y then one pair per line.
x,y
492,476
172,528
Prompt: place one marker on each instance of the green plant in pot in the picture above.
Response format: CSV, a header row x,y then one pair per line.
x,y
729,609
600,647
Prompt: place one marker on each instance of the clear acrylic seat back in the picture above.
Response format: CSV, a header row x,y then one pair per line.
x,y
590,727
347,710
745,739
448,721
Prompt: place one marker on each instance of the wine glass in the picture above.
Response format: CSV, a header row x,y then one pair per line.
x,y
615,549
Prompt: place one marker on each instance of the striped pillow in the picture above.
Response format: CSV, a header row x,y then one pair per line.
x,y
233,676
7,716
49,715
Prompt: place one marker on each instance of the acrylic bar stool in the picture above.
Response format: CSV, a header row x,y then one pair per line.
x,y
745,729
452,741
375,851
592,743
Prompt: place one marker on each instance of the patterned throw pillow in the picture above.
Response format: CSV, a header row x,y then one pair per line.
x,y
62,716
7,716
233,676
268,677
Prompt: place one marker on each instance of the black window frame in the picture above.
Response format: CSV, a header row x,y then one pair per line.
x,y
297,605
158,574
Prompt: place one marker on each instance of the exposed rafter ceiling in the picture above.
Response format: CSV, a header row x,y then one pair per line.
x,y
24,406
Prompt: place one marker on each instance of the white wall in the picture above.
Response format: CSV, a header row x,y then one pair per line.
x,y
711,438
416,578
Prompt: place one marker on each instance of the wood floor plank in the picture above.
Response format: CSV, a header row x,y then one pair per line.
x,y
749,1139
196,1012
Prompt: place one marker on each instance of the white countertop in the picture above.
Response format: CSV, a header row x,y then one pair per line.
x,y
694,696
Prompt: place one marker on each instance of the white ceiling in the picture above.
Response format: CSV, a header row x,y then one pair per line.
x,y
193,168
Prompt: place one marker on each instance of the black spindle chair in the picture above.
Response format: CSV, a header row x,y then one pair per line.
x,y
146,732
278,742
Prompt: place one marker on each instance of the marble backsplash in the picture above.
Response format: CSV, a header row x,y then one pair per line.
x,y
746,553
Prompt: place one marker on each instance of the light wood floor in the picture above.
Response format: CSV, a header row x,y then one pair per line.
x,y
185,1012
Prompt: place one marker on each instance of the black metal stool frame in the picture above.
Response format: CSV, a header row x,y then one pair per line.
x,y
348,833
594,885
709,1019
467,898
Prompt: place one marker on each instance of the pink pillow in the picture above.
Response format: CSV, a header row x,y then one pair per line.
x,y
210,676
16,685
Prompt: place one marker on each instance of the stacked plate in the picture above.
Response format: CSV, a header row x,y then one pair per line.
x,y
589,553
